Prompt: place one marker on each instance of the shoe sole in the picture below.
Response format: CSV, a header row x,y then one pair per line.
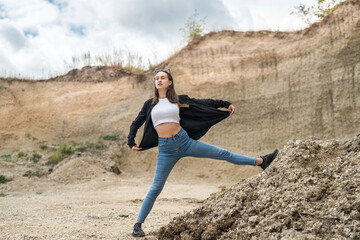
x,y
143,235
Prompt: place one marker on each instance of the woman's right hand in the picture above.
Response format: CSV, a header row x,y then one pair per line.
x,y
135,148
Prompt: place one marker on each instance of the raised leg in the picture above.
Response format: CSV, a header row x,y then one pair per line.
x,y
205,150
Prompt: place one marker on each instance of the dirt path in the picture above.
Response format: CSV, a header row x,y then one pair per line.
x,y
102,208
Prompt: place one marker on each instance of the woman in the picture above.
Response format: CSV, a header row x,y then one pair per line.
x,y
175,123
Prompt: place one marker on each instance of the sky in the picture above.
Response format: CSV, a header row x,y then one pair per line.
x,y
44,38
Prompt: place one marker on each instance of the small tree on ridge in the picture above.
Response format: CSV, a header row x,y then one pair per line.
x,y
194,27
316,12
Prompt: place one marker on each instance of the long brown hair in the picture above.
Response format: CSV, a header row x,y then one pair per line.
x,y
170,93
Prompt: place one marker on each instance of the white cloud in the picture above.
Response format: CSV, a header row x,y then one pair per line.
x,y
37,36
11,37
30,13
266,15
7,68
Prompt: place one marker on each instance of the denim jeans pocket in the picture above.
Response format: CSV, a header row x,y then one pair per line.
x,y
162,142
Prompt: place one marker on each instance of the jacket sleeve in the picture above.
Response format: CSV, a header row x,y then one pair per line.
x,y
217,103
136,124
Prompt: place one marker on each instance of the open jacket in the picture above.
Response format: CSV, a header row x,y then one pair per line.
x,y
196,120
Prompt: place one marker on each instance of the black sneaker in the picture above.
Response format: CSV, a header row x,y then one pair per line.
x,y
138,232
267,159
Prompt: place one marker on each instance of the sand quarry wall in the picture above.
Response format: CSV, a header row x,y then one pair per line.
x,y
284,85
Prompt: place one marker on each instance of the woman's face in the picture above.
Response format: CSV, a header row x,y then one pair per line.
x,y
162,81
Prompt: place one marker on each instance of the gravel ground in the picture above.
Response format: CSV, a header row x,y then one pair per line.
x,y
104,207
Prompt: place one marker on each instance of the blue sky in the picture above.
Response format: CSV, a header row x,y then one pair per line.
x,y
39,38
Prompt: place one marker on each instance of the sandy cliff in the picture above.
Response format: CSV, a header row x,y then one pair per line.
x,y
285,85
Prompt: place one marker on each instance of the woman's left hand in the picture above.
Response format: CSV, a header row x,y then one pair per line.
x,y
232,109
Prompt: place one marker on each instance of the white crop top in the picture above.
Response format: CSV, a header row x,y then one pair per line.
x,y
165,111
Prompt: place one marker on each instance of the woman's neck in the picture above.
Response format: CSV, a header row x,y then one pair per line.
x,y
162,94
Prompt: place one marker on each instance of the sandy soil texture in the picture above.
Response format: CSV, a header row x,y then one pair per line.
x,y
103,207
82,200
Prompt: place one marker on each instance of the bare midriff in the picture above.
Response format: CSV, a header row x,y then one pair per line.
x,y
169,129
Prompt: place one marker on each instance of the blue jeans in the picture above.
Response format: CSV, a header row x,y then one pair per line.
x,y
173,148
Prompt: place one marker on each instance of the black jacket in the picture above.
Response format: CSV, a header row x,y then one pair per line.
x,y
196,120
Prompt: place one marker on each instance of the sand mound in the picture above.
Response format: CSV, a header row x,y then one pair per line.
x,y
311,191
76,169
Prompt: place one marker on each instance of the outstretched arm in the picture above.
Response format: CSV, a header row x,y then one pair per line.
x,y
217,103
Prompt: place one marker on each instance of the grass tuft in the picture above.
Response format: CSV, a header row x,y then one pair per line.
x,y
21,154
81,149
111,137
34,156
37,173
2,179
6,157
100,145
43,146
27,135
61,153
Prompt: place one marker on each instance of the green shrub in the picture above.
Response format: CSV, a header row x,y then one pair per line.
x,y
31,165
27,135
100,145
3,195
55,158
2,179
89,144
61,153
81,149
69,149
43,146
21,154
2,88
66,149
34,156
37,173
141,72
6,157
111,137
